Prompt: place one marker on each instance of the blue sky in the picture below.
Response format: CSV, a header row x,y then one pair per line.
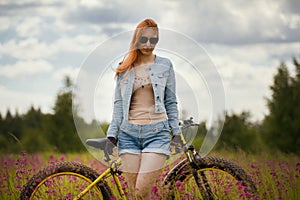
x,y
42,41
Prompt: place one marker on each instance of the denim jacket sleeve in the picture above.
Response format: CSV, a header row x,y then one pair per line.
x,y
170,101
117,117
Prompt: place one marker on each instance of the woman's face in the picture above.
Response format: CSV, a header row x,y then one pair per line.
x,y
147,41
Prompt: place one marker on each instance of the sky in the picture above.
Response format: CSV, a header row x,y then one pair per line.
x,y
43,41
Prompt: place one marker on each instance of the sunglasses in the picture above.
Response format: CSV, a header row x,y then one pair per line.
x,y
152,40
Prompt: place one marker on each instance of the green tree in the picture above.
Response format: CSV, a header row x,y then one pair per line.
x,y
34,133
33,118
11,132
296,107
1,124
63,135
238,133
282,125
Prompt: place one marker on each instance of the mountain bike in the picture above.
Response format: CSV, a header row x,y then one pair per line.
x,y
194,177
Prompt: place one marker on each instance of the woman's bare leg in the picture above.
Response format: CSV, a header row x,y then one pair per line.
x,y
150,168
130,167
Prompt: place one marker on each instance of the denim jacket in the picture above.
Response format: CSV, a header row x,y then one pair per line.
x,y
162,77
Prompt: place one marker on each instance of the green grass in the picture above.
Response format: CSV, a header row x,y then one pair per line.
x,y
275,175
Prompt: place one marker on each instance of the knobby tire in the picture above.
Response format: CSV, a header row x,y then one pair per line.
x,y
58,171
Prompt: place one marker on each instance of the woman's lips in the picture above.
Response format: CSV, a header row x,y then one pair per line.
x,y
146,49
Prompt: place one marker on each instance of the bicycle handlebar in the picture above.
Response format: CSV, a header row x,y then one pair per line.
x,y
188,123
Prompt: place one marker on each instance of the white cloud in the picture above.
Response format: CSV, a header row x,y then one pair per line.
x,y
21,101
234,22
59,74
92,3
5,23
79,43
27,67
32,48
29,48
30,26
247,72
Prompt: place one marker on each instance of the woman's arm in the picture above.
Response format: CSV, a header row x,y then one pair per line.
x,y
117,116
170,101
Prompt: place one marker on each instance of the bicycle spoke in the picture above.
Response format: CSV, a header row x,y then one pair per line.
x,y
211,184
64,186
65,180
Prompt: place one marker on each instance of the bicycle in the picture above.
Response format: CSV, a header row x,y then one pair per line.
x,y
194,177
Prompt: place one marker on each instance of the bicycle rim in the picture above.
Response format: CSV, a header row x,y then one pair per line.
x,y
65,185
213,178
221,186
64,180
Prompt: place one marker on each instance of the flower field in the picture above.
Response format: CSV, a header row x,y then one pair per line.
x,y
276,176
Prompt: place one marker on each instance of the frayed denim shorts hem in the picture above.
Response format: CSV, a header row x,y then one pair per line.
x,y
144,138
149,150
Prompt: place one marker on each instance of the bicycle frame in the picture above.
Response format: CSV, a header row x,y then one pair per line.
x,y
111,171
193,165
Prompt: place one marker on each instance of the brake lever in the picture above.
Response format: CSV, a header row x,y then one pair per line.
x,y
107,157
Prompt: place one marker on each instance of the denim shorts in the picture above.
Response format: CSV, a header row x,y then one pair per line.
x,y
142,138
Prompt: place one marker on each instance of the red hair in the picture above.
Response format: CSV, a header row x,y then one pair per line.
x,y
134,52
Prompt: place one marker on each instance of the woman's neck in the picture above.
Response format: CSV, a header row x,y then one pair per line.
x,y
145,59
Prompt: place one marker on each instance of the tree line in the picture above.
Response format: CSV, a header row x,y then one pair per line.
x,y
35,131
279,130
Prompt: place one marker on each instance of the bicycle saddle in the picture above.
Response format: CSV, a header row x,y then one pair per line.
x,y
99,143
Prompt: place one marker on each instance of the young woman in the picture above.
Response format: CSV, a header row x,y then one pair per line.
x,y
145,111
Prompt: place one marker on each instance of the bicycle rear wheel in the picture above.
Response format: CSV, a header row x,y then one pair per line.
x,y
209,178
64,180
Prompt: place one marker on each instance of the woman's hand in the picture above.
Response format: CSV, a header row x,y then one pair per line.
x,y
110,144
177,143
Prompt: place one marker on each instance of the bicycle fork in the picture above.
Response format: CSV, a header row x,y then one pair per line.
x,y
203,185
200,178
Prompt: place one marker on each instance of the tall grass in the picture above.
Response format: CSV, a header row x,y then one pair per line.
x,y
276,176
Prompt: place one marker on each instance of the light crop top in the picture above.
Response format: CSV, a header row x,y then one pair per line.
x,y
142,106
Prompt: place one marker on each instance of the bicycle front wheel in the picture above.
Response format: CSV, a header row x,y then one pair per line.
x,y
64,180
209,178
